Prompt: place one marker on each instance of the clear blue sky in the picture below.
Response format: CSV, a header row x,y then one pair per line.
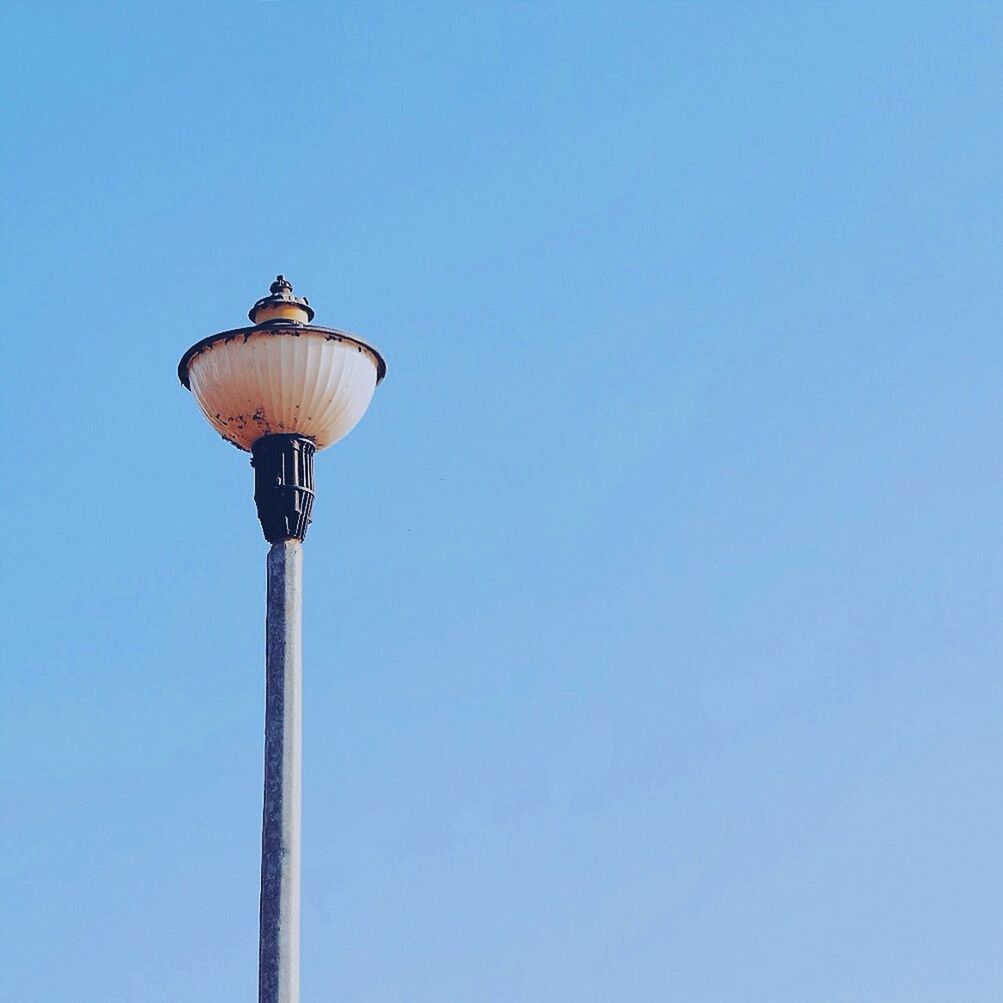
x,y
653,631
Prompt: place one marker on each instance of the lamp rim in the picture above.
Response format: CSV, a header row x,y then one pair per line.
x,y
278,327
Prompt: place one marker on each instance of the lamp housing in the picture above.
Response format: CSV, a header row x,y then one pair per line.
x,y
283,376
281,390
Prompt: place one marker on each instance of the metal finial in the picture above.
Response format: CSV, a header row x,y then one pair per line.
x,y
276,305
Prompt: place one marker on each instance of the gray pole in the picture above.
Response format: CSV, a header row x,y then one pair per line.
x,y
279,943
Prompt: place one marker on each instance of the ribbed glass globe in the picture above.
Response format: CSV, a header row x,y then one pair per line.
x,y
294,379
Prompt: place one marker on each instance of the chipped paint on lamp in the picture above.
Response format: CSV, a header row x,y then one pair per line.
x,y
285,375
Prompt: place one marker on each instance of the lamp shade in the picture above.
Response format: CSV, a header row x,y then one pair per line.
x,y
282,377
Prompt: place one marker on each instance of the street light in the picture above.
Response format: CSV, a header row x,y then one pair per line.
x,y
282,389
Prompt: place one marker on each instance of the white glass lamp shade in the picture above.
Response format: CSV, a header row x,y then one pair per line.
x,y
299,380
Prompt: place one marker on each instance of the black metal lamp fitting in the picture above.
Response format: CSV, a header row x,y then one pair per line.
x,y
283,485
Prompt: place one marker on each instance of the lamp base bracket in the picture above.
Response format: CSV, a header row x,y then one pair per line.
x,y
283,485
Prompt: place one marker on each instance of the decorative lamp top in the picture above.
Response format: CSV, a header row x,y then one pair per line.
x,y
281,305
283,376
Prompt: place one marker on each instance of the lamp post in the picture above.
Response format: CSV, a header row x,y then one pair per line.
x,y
282,389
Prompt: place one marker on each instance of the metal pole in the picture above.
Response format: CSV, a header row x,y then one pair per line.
x,y
279,943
